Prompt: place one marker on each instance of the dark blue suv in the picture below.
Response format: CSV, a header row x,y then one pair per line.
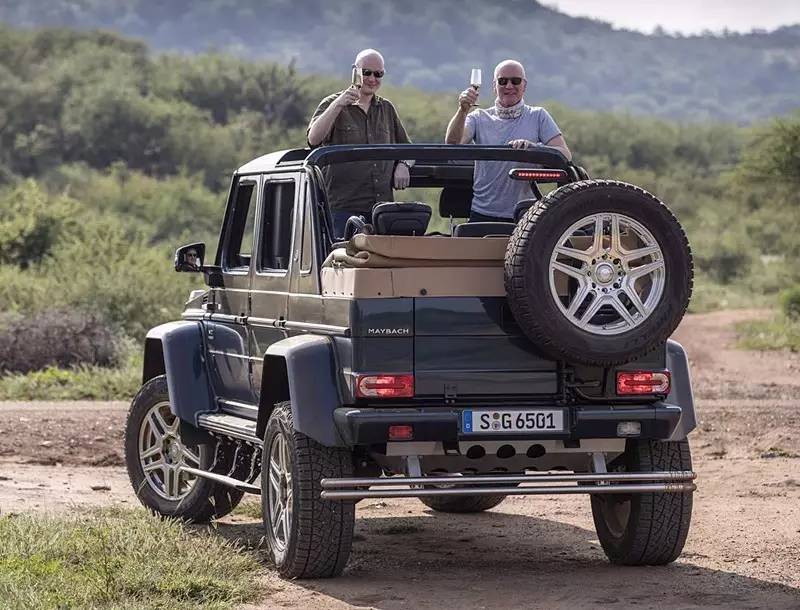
x,y
454,362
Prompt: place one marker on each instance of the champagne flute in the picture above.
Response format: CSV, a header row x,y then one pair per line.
x,y
475,80
357,80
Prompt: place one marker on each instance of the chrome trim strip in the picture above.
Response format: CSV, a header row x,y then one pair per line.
x,y
322,328
226,317
271,322
231,355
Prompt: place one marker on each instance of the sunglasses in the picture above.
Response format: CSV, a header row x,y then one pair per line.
x,y
375,73
515,80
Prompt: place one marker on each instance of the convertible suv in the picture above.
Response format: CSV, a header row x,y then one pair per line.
x,y
459,365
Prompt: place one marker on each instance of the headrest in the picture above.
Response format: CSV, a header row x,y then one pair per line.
x,y
483,229
455,202
401,218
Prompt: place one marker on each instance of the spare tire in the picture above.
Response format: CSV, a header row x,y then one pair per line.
x,y
599,272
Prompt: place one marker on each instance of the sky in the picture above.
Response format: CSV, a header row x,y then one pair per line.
x,y
685,16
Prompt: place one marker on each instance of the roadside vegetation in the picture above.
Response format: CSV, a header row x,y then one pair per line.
x,y
120,558
111,156
782,331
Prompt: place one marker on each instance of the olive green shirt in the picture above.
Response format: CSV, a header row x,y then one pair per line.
x,y
358,185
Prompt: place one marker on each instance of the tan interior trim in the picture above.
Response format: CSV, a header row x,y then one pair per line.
x,y
430,247
413,282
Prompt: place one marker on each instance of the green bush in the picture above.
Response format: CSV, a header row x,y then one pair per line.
x,y
133,285
30,224
790,302
724,257
165,211
103,267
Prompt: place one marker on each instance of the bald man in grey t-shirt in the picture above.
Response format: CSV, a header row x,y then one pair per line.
x,y
509,121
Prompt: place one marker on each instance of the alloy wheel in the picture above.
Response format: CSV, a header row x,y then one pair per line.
x,y
279,492
614,272
162,454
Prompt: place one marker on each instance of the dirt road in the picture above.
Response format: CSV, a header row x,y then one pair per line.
x,y
743,549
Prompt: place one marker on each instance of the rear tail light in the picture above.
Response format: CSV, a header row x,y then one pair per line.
x,y
385,386
643,382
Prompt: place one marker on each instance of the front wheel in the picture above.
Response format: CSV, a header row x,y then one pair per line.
x,y
155,454
645,529
307,537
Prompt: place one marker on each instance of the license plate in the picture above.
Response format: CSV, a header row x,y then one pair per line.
x,y
499,422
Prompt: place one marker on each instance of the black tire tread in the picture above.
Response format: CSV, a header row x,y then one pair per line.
x,y
659,521
324,528
514,276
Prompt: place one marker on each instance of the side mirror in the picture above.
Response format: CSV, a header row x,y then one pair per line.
x,y
189,258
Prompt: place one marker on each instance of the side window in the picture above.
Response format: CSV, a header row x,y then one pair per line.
x,y
276,235
307,251
239,244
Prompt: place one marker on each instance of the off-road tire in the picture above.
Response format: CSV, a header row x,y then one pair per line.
x,y
527,271
207,500
461,504
321,530
658,523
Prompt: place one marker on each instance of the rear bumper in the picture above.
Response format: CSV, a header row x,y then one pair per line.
x,y
370,426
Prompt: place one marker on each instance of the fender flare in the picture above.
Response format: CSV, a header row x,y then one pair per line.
x,y
304,371
680,392
176,349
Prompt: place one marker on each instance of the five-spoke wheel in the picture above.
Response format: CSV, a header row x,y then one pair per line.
x,y
616,279
162,454
156,454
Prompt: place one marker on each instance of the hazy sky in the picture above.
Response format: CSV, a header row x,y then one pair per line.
x,y
686,16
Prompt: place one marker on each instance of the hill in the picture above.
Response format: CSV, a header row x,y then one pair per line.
x,y
432,45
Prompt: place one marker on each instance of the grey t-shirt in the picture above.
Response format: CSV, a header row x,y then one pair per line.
x,y
495,194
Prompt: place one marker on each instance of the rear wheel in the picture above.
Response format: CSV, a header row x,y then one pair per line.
x,y
461,504
645,529
307,537
155,454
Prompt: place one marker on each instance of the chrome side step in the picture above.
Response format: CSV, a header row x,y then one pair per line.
x,y
594,483
223,479
230,425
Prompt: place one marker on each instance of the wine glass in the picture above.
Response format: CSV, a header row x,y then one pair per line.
x,y
357,79
475,80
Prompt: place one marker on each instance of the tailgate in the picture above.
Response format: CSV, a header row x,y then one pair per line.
x,y
471,346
